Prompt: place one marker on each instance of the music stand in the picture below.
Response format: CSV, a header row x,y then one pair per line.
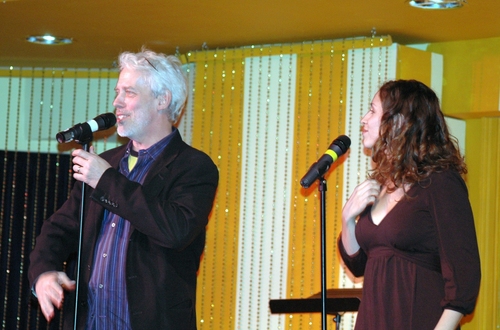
x,y
338,301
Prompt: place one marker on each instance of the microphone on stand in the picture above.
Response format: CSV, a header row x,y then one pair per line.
x,y
82,133
338,147
83,130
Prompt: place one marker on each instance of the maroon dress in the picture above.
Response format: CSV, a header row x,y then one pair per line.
x,y
422,258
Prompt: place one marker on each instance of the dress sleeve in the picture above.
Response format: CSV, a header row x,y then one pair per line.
x,y
355,263
458,250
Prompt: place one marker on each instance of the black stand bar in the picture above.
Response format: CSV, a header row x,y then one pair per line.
x,y
318,172
322,190
85,142
338,301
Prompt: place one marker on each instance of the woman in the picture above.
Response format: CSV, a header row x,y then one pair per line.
x,y
409,229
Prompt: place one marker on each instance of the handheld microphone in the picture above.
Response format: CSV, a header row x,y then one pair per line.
x,y
83,131
338,147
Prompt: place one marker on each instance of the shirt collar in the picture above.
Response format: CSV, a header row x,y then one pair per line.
x,y
155,150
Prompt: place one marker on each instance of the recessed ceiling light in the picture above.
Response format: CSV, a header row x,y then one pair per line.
x,y
437,4
49,40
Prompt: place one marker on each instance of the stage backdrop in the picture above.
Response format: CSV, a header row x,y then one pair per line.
x,y
264,114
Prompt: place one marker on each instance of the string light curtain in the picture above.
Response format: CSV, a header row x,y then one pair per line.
x,y
35,175
265,114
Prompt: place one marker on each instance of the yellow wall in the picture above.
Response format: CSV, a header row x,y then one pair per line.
x,y
414,64
483,146
471,81
471,90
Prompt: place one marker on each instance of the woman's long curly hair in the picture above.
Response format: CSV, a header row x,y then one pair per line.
x,y
414,140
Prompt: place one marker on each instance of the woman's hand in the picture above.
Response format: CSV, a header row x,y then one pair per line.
x,y
363,195
449,320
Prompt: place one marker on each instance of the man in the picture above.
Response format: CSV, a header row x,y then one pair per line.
x,y
146,208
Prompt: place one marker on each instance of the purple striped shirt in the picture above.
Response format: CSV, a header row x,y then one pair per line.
x,y
107,298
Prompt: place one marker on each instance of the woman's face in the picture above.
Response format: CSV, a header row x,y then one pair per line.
x,y
370,123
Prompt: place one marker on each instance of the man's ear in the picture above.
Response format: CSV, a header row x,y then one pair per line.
x,y
164,100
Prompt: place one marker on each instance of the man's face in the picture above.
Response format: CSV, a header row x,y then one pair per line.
x,y
135,106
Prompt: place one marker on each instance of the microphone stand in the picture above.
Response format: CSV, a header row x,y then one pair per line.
x,y
322,189
84,141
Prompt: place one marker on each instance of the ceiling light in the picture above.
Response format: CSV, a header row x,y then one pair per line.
x,y
437,4
49,40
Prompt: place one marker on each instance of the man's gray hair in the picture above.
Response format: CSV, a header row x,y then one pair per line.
x,y
163,74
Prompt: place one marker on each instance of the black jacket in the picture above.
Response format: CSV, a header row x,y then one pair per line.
x,y
168,215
